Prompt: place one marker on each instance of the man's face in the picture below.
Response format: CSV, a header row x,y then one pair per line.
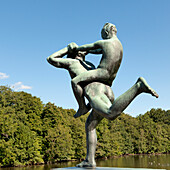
x,y
103,34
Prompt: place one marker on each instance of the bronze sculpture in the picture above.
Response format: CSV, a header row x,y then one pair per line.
x,y
95,84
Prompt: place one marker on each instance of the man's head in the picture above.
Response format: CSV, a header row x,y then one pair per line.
x,y
108,31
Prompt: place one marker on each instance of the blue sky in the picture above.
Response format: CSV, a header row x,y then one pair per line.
x,y
32,30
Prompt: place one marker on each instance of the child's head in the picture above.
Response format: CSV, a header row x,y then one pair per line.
x,y
108,31
77,55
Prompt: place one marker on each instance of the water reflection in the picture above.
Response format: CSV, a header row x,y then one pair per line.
x,y
138,161
131,161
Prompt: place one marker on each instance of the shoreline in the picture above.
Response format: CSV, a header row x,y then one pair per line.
x,y
74,160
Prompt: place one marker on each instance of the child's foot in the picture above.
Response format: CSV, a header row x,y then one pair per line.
x,y
82,110
86,164
146,88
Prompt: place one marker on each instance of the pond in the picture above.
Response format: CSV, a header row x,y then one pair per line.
x,y
131,161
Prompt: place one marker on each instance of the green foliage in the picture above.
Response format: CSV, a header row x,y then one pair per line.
x,y
156,129
19,140
33,133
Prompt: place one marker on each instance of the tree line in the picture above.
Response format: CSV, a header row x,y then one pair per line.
x,y
33,133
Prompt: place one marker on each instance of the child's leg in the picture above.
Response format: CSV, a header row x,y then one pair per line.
x,y
86,77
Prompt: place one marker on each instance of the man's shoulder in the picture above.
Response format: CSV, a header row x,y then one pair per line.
x,y
100,43
115,41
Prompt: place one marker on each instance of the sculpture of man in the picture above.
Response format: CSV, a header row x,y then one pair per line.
x,y
99,95
112,51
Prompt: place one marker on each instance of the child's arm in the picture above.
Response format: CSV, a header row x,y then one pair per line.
x,y
56,58
60,62
59,54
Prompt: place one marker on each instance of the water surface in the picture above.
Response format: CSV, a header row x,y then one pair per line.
x,y
131,161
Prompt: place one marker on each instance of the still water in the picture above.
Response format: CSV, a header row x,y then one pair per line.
x,y
132,161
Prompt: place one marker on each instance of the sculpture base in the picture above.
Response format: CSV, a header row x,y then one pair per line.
x,y
105,168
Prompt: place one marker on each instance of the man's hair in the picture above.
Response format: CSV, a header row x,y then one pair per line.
x,y
107,28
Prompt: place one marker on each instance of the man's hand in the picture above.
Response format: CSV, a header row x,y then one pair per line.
x,y
72,47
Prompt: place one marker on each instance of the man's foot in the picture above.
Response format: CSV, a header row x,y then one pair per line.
x,y
146,88
82,111
86,164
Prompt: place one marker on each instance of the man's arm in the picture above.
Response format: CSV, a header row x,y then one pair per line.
x,y
97,51
88,47
91,48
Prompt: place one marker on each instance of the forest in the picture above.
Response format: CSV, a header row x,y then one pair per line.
x,y
35,133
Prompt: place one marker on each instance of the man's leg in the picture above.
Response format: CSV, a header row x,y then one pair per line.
x,y
83,108
121,103
101,104
91,139
83,79
112,111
